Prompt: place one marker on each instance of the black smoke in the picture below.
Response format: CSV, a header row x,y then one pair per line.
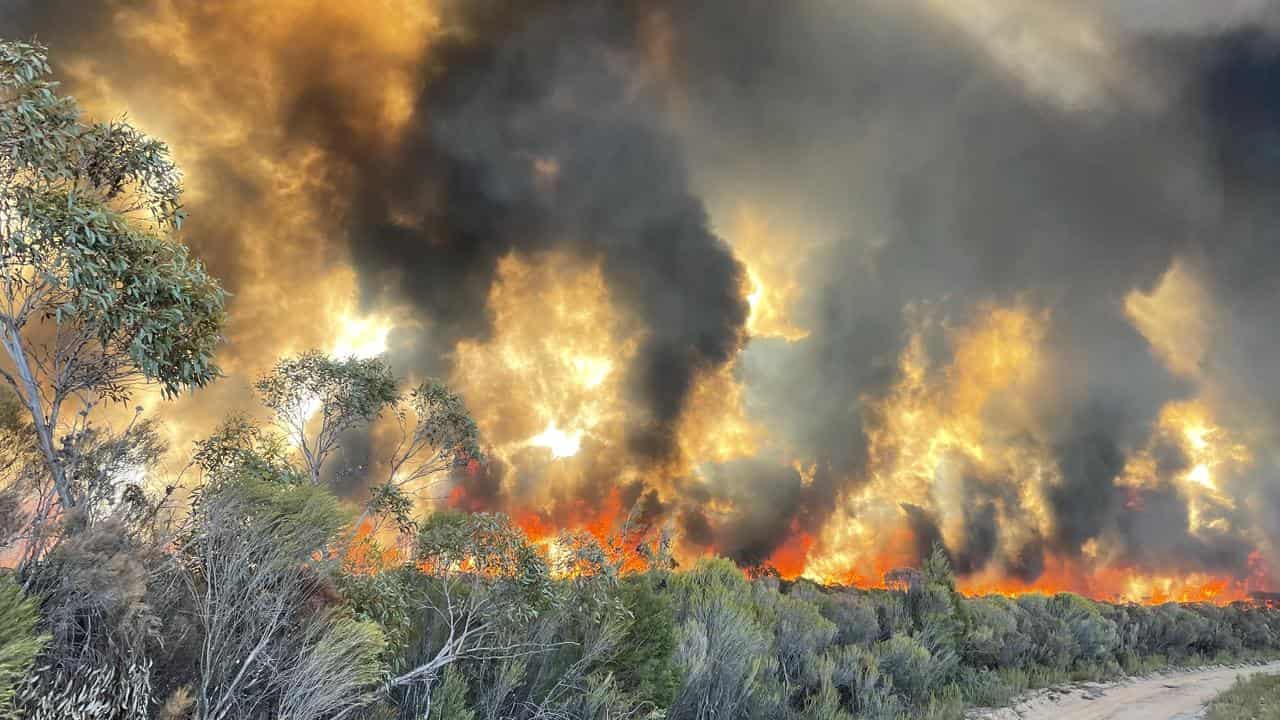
x,y
530,134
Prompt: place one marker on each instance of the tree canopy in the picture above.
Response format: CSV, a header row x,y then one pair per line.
x,y
97,293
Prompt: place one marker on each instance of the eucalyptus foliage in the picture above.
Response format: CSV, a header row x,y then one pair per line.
x,y
96,292
316,398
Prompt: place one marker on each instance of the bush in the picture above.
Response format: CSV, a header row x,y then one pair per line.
x,y
801,635
909,665
645,664
993,638
856,673
1053,645
1247,699
19,643
101,692
449,699
1093,637
720,646
854,615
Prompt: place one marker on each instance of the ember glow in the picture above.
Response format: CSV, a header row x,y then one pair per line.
x,y
813,285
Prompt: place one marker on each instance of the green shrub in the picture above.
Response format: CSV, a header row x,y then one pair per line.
x,y
19,643
801,635
721,648
449,699
856,673
645,665
909,665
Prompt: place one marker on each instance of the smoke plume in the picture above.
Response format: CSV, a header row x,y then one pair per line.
x,y
819,284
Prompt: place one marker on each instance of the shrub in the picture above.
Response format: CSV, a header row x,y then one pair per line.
x,y
1053,645
800,634
449,699
1093,637
645,665
720,646
908,664
101,692
856,673
854,615
19,643
992,638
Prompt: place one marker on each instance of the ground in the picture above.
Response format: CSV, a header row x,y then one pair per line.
x,y
1180,695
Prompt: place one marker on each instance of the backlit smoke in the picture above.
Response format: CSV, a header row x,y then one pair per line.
x,y
818,284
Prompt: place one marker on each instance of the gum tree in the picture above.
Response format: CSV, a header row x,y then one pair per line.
x,y
97,294
437,434
315,399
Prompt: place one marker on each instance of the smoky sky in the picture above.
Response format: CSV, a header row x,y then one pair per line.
x,y
924,172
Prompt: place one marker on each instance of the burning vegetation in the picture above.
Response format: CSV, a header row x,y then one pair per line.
x,y
1037,334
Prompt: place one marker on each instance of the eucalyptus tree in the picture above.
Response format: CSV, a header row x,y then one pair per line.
x,y
315,399
436,434
97,293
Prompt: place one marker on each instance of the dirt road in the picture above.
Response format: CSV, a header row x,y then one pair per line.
x,y
1171,696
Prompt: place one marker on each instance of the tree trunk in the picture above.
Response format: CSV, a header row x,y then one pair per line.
x,y
29,393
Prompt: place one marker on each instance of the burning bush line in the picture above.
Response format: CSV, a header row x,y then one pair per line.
x,y
256,607
268,597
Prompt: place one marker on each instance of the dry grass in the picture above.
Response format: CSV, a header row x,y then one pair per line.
x,y
1253,698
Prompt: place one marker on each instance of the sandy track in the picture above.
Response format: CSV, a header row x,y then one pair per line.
x,y
1165,696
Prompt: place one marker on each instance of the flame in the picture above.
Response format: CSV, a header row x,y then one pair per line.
x,y
1211,452
792,556
1118,584
938,429
941,429
560,443
548,389
360,337
550,373
367,554
773,284
715,426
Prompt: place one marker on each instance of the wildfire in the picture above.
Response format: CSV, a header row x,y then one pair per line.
x,y
791,558
560,443
772,277
937,431
961,428
1118,585
1210,453
360,337
549,374
368,553
945,434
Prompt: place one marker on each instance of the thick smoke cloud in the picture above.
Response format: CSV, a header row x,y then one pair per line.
x,y
976,191
922,163
530,134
